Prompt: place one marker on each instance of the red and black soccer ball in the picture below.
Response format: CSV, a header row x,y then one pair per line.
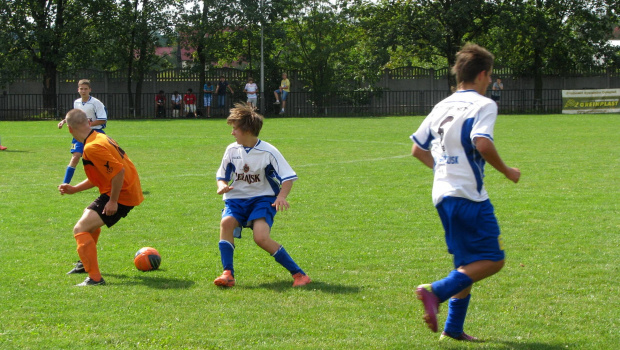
x,y
147,259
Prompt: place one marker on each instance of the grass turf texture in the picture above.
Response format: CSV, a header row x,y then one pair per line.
x,y
361,224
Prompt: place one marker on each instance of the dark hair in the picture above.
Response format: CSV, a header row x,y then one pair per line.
x,y
190,89
244,117
470,61
161,91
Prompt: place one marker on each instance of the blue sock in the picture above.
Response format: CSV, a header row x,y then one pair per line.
x,y
68,175
226,252
451,285
457,310
285,260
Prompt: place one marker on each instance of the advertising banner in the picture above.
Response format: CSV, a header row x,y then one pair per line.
x,y
591,101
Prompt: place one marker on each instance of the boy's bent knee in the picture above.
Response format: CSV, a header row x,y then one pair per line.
x,y
481,269
499,265
494,267
229,222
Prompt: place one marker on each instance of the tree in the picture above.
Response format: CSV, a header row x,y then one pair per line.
x,y
431,30
318,39
540,37
210,27
52,34
128,41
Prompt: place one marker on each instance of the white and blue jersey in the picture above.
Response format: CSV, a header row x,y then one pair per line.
x,y
449,132
254,171
94,109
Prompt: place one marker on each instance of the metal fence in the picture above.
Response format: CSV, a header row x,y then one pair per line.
x,y
299,104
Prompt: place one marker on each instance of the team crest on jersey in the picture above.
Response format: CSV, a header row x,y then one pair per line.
x,y
108,167
246,168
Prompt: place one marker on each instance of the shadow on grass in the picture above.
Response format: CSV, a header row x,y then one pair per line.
x,y
149,279
531,345
15,151
281,286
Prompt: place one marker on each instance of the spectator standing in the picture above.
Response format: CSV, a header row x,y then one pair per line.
x,y
160,105
208,97
496,90
252,91
189,99
176,99
220,91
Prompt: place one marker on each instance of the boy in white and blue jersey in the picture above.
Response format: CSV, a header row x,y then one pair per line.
x,y
254,179
456,140
98,117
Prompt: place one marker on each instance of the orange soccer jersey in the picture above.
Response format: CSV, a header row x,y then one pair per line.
x,y
103,159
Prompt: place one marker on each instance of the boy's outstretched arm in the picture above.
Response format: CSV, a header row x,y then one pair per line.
x,y
222,187
281,203
82,186
489,153
424,156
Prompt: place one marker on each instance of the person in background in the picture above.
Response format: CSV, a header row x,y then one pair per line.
x,y
98,116
208,97
252,92
175,100
189,99
282,92
160,104
220,91
496,90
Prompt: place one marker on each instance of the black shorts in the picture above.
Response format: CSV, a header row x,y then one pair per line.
x,y
495,98
98,205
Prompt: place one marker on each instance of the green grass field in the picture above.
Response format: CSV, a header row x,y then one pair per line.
x,y
361,224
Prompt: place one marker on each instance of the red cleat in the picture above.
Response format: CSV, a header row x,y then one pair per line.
x,y
299,279
225,280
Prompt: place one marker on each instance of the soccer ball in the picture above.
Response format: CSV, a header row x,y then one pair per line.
x,y
147,259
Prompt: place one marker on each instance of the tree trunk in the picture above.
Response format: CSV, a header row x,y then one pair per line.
x,y
49,88
138,102
130,100
538,79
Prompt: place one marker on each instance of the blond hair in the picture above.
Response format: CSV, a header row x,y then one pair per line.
x,y
84,82
76,117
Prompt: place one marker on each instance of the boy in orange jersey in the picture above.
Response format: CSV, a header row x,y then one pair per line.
x,y
110,169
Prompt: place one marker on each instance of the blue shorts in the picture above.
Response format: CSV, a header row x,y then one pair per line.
x,y
472,231
78,147
283,94
207,100
247,210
